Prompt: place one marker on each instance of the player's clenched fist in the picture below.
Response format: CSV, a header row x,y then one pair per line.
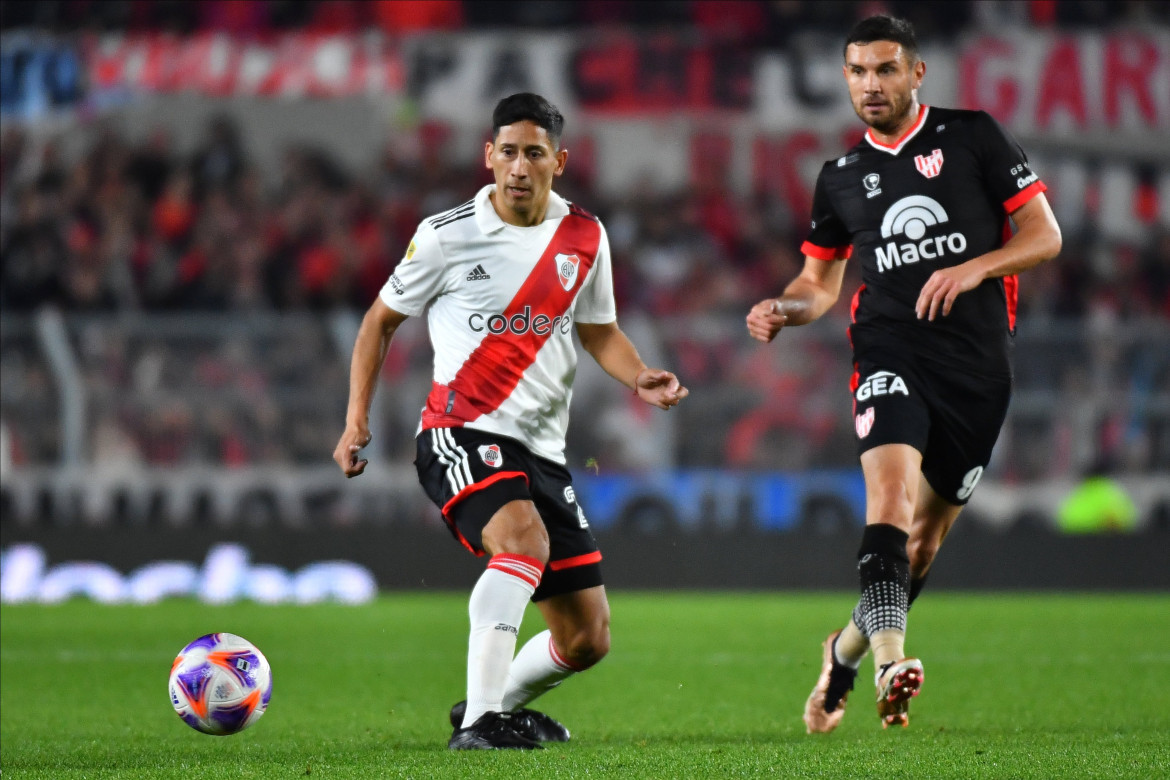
x,y
765,320
659,388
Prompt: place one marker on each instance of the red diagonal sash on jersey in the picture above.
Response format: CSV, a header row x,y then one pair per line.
x,y
492,371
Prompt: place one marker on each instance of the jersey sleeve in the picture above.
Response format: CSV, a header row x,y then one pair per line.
x,y
1009,178
828,239
595,303
418,277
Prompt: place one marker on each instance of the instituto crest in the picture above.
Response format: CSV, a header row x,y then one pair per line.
x,y
864,423
929,166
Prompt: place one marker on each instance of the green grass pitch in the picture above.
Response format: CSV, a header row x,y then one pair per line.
x,y
698,685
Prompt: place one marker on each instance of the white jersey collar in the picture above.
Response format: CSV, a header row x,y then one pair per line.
x,y
906,137
489,221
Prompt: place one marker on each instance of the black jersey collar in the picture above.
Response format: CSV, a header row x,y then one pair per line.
x,y
923,110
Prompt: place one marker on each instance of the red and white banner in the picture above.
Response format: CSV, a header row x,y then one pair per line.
x,y
293,65
1056,84
1063,84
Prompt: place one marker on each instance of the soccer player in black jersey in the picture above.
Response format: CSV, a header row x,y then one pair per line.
x,y
926,203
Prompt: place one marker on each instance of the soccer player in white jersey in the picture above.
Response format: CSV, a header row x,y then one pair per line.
x,y
504,280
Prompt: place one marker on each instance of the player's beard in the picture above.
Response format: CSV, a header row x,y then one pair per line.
x,y
899,110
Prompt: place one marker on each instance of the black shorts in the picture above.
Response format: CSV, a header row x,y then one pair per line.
x,y
470,474
952,417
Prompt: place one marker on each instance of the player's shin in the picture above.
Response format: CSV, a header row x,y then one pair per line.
x,y
496,609
536,669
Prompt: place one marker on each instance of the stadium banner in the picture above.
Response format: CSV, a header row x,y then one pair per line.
x,y
41,76
351,565
293,65
308,535
663,110
1059,84
668,502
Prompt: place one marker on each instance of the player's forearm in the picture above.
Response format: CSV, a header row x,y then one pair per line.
x,y
803,302
1034,244
1037,239
613,351
369,352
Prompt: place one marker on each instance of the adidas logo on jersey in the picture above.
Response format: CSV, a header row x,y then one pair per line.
x,y
478,274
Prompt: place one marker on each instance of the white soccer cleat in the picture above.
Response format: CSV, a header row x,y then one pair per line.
x,y
897,684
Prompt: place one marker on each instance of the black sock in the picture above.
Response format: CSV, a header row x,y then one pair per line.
x,y
884,573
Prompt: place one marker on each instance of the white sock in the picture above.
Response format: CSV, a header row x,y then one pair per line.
x,y
851,646
887,647
496,609
536,669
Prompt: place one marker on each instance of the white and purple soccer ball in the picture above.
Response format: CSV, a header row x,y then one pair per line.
x,y
220,684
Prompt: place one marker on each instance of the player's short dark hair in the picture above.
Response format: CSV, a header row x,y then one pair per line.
x,y
534,108
884,28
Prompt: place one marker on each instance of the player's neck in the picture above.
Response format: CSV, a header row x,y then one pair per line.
x,y
893,137
513,217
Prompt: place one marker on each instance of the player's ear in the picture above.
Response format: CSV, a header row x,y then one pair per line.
x,y
487,154
562,159
919,73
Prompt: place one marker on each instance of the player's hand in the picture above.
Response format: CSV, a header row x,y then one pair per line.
x,y
348,447
765,320
943,287
660,388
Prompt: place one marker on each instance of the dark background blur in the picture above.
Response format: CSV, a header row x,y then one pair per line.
x,y
199,200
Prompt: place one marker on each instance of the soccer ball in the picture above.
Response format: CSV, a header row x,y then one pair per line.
x,y
220,684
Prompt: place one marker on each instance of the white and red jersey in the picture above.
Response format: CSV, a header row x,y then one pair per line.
x,y
501,302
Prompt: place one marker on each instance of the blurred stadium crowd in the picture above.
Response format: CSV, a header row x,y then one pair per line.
x,y
140,226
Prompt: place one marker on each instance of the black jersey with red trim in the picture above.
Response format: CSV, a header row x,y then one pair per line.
x,y
938,197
